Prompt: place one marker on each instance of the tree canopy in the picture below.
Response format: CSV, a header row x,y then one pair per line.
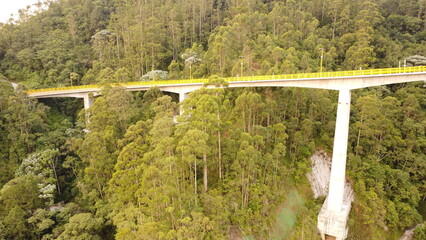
x,y
131,167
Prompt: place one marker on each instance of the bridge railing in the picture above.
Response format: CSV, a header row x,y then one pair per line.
x,y
352,73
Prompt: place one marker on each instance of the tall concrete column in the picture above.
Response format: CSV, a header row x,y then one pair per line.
x,y
338,165
335,210
88,100
182,97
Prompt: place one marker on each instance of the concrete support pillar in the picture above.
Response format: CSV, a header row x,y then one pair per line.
x,y
338,165
182,97
88,100
335,210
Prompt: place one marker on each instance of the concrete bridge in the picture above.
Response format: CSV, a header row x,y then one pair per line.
x,y
335,210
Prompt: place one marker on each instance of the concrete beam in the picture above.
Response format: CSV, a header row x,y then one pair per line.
x,y
74,93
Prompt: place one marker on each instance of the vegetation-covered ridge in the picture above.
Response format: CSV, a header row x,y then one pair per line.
x,y
77,42
126,170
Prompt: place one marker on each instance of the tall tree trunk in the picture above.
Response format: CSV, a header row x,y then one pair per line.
x,y
193,24
200,21
242,189
53,164
219,144
99,187
357,140
195,182
205,173
118,50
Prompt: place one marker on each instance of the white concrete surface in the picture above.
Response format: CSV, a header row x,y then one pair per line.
x,y
338,165
182,97
14,85
334,223
335,210
88,100
335,83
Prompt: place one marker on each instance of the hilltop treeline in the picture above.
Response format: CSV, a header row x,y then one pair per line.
x,y
132,168
80,42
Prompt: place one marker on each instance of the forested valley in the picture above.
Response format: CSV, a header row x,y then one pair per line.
x,y
139,165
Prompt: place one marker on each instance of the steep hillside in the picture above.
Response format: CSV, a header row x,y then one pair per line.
x,y
236,163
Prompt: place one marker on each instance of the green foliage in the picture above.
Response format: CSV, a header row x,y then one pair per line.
x,y
43,165
82,226
100,42
15,225
23,122
42,222
23,192
419,233
144,173
109,117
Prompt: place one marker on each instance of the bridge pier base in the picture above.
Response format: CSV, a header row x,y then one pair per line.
x,y
335,210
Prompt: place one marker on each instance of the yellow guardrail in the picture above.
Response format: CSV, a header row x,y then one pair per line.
x,y
252,78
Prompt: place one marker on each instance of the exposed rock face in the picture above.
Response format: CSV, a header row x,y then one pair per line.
x,y
409,233
320,177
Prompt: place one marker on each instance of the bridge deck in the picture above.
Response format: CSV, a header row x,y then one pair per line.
x,y
288,77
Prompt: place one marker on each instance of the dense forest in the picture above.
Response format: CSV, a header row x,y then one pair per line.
x,y
132,167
